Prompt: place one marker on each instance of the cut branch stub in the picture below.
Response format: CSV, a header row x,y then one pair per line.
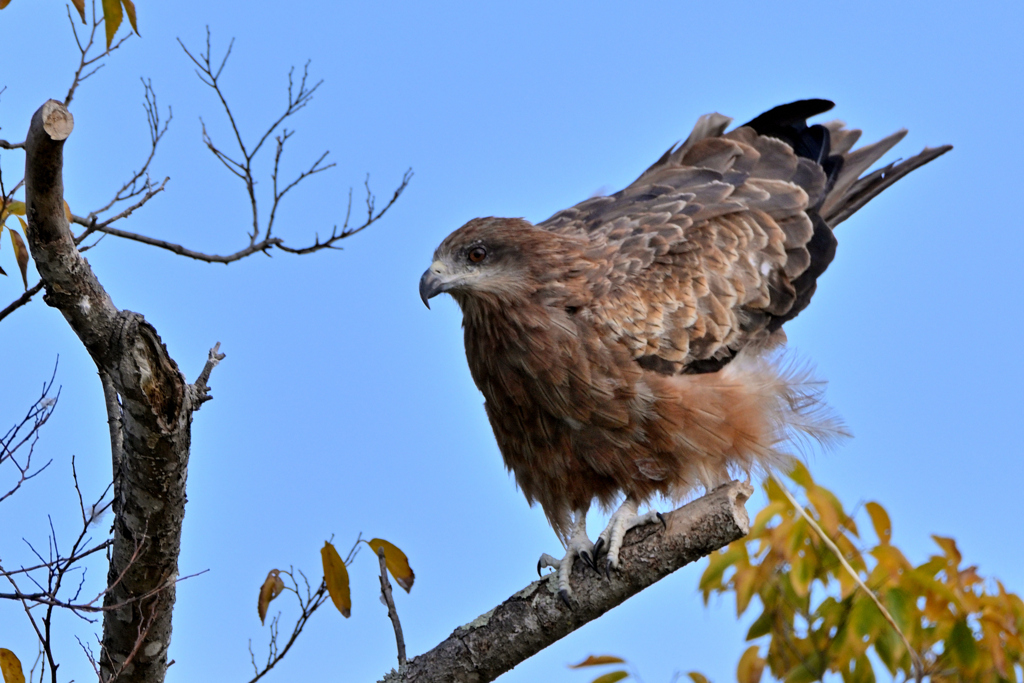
x,y
154,417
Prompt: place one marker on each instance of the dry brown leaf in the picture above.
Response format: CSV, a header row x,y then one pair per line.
x,y
80,6
396,561
10,666
597,660
270,589
129,8
336,578
20,251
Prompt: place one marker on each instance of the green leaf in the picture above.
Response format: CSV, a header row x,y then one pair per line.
x,y
865,618
112,17
717,564
802,574
761,626
862,671
611,677
961,645
901,606
889,646
880,520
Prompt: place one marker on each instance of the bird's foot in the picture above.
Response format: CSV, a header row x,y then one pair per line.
x,y
622,520
579,545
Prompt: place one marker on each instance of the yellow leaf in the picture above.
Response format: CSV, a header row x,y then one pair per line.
x,y
80,6
67,211
880,520
827,517
15,208
751,666
698,677
801,475
396,561
270,589
948,546
597,660
129,8
112,18
10,666
611,677
20,251
336,578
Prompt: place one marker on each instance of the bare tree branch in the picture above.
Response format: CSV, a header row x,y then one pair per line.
x,y
149,481
535,617
21,300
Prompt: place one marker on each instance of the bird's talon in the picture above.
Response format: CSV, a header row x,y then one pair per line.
x,y
598,545
661,518
538,569
586,557
565,595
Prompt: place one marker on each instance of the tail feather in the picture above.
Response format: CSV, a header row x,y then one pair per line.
x,y
855,163
867,188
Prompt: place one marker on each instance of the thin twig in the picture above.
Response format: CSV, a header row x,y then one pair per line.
x,y
385,589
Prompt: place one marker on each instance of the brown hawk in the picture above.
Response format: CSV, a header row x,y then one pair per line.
x,y
629,346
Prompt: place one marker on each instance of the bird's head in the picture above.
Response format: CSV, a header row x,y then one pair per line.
x,y
487,256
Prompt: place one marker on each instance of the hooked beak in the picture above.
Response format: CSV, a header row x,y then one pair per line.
x,y
432,284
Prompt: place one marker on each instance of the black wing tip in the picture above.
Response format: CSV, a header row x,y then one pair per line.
x,y
793,113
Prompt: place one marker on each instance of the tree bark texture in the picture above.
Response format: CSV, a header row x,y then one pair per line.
x,y
535,617
154,417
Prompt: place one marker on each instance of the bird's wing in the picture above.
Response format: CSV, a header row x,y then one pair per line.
x,y
721,241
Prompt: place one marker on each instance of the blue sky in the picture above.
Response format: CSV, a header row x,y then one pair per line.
x,y
345,406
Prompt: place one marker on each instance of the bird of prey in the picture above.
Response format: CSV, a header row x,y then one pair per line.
x,y
628,347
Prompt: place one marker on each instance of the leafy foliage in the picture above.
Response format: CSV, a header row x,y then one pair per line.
x,y
814,620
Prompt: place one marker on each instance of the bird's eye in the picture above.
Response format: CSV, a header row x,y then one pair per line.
x,y
477,254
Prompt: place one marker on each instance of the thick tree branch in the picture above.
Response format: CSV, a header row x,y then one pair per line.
x,y
535,617
154,412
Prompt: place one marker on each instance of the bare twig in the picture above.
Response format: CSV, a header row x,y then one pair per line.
x,y
200,390
87,65
26,432
21,300
114,419
389,600
240,164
